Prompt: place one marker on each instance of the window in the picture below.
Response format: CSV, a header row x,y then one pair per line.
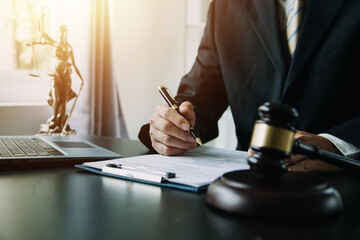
x,y
17,27
19,24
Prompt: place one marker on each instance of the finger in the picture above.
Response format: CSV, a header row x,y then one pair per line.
x,y
250,152
319,141
157,123
302,166
294,158
172,116
171,141
309,165
187,110
300,134
166,150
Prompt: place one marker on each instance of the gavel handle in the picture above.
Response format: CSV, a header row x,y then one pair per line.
x,y
314,152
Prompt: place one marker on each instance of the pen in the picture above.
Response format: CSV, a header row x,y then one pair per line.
x,y
121,166
164,91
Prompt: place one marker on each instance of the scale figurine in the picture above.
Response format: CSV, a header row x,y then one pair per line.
x,y
61,91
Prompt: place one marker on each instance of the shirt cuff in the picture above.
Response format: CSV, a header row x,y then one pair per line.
x,y
344,147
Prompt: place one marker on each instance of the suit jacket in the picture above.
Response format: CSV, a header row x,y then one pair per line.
x,y
243,61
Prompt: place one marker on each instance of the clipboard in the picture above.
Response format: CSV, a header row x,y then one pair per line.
x,y
193,171
163,183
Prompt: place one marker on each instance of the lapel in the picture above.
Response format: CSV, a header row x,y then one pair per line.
x,y
264,20
318,18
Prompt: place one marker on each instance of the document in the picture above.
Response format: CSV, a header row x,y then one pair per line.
x,y
196,168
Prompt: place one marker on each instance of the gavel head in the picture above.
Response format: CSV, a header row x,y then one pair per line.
x,y
273,138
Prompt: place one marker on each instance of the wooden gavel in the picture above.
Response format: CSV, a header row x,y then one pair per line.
x,y
273,141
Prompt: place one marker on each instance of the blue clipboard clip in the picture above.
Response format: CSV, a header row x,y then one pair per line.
x,y
139,172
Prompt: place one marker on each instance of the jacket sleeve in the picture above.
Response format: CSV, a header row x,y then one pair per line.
x,y
203,86
348,131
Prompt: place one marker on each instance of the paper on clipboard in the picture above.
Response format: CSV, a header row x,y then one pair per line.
x,y
196,168
134,174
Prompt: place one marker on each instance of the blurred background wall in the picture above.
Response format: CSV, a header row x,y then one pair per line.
x,y
154,42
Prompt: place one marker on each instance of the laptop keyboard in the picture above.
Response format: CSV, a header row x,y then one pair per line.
x,y
26,147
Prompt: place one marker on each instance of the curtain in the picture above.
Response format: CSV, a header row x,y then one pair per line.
x,y
106,118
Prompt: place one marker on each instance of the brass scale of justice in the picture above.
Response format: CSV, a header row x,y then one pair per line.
x,y
34,69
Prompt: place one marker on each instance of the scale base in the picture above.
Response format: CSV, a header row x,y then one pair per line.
x,y
292,195
46,131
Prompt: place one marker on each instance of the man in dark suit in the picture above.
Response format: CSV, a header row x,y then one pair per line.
x,y
244,60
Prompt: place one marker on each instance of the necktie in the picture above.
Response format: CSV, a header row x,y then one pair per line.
x,y
293,25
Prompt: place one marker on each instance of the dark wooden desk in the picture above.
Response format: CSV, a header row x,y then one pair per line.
x,y
67,203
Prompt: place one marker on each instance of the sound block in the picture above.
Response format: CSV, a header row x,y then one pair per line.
x,y
292,195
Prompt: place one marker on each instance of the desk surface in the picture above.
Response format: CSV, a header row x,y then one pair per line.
x,y
68,203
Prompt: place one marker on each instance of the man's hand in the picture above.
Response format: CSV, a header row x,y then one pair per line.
x,y
168,129
301,163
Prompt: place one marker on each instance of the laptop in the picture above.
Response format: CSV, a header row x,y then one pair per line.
x,y
48,151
